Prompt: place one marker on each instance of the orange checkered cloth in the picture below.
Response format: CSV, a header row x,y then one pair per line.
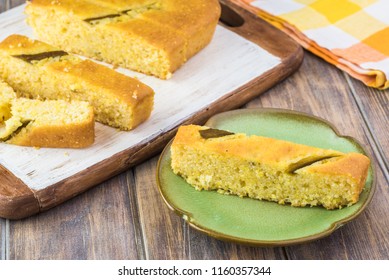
x,y
351,34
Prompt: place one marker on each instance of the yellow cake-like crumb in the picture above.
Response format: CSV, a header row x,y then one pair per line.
x,y
268,169
54,124
40,71
6,95
6,92
51,123
151,36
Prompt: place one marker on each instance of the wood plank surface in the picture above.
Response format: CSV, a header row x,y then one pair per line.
x,y
2,239
374,106
162,226
165,234
125,217
2,6
154,232
100,224
16,199
9,4
330,97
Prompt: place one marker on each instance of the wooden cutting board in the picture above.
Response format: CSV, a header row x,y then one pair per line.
x,y
246,57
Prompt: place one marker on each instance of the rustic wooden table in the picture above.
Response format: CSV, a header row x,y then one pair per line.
x,y
126,218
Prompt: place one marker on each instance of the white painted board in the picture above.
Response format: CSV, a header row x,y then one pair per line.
x,y
225,65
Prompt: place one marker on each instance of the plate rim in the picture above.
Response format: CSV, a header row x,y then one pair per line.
x,y
269,243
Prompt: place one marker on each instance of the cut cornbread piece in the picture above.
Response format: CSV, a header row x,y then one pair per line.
x,y
155,37
54,124
50,123
267,169
37,70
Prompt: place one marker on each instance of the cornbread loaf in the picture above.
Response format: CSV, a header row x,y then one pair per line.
x,y
37,70
268,169
151,36
51,123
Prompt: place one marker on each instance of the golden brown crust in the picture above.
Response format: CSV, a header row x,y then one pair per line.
x,y
138,96
80,80
267,168
51,124
18,44
80,8
178,28
203,10
254,148
354,165
57,136
194,20
168,42
118,85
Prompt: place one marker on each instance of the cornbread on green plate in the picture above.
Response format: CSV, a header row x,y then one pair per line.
x,y
267,169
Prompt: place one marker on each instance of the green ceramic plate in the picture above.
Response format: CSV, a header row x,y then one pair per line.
x,y
255,222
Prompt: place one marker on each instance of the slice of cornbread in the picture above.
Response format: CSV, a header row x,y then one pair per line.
x,y
268,169
52,124
37,70
151,36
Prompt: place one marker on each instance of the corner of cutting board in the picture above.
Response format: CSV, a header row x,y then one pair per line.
x,y
17,200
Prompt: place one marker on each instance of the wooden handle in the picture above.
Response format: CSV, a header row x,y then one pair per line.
x,y
229,17
257,30
16,199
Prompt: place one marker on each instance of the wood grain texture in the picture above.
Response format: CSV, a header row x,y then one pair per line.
x,y
15,3
374,106
330,97
203,247
97,225
3,235
158,233
2,6
129,207
164,233
168,236
16,199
